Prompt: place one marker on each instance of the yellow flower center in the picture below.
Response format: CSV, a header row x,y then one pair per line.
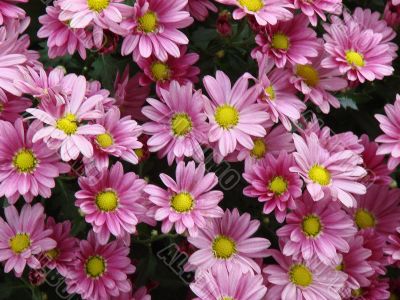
x,y
301,275
311,225
355,59
139,152
227,298
95,266
393,297
148,22
340,267
53,253
278,185
259,149
107,201
20,242
309,74
270,92
98,5
181,124
280,41
1,107
182,202
25,161
105,140
68,124
357,292
364,219
160,71
252,5
320,175
226,116
223,247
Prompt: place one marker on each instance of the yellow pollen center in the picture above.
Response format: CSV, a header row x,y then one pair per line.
x,y
340,267
139,152
357,292
280,41
320,175
24,161
278,185
252,5
68,124
223,247
270,92
227,298
98,5
1,107
53,253
309,74
20,242
107,201
181,124
311,225
160,71
182,202
95,266
364,219
259,149
148,22
105,140
355,59
301,275
226,116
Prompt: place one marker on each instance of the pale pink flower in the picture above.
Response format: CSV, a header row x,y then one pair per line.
x,y
199,8
373,241
318,8
392,249
377,290
10,10
12,106
154,29
22,236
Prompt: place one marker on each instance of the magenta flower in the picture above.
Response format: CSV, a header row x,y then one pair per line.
x,y
273,184
178,124
392,249
318,8
264,11
373,241
225,284
22,236
12,106
110,200
100,271
153,29
335,174
199,9
189,202
233,113
27,168
316,229
9,10
377,290
290,42
390,139
302,280
65,130
226,242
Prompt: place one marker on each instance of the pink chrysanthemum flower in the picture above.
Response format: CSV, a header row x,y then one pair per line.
x,y
139,294
27,168
153,29
276,140
359,53
10,10
317,83
224,284
297,279
278,94
61,38
12,106
373,241
129,95
22,236
377,290
392,248
273,184
227,243
324,173
119,140
62,256
199,8
391,14
109,201
317,229
290,42
234,115
318,8
189,202
390,139
100,271
65,130
264,11
378,209
180,69
178,124
378,172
